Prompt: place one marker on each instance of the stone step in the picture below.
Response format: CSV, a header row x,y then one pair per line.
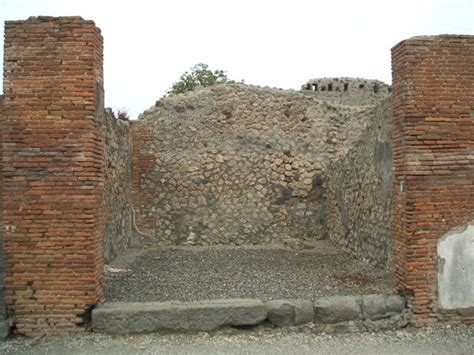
x,y
354,313
145,317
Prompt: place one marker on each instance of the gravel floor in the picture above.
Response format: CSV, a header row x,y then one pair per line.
x,y
199,273
291,340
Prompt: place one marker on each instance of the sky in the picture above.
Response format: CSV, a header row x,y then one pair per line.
x,y
276,43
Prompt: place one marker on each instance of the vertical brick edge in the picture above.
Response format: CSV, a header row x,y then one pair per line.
x,y
433,139
53,173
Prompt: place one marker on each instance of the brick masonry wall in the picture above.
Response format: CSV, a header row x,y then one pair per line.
x,y
53,173
433,137
357,188
118,185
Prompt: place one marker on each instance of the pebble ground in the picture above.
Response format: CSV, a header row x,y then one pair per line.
x,y
264,340
200,273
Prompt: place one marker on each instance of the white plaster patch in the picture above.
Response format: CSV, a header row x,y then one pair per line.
x,y
456,269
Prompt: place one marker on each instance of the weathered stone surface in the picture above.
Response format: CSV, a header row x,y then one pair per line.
x,y
4,329
373,305
395,303
358,193
337,309
2,254
117,185
289,312
238,164
142,317
456,269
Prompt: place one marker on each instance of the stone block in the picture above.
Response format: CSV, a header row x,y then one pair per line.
x,y
373,306
289,312
4,329
337,309
395,303
145,317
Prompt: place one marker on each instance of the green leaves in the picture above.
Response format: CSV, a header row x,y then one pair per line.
x,y
199,77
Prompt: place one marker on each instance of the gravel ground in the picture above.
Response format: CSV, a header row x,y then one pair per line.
x,y
292,340
199,273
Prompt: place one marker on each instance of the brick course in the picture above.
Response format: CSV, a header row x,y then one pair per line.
x,y
53,173
433,105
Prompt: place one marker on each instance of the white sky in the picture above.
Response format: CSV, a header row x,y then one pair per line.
x,y
149,44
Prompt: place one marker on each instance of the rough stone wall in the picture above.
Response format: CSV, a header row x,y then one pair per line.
x,y
358,192
53,173
236,164
433,137
143,163
3,312
118,185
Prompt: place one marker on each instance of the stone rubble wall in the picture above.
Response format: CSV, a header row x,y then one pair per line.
x,y
237,164
358,193
118,185
2,256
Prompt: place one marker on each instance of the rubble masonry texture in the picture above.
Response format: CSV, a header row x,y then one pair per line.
x,y
118,185
237,164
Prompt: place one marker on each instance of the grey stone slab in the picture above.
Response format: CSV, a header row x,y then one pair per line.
x,y
290,312
144,317
337,309
4,329
395,303
373,306
456,269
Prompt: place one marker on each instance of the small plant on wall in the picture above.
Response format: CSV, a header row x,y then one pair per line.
x,y
199,76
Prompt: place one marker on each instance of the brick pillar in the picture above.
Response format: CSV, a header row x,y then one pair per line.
x,y
53,175
433,116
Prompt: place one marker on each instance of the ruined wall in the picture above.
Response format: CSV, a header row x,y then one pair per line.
x,y
348,91
358,192
3,312
433,138
118,185
143,163
53,175
236,164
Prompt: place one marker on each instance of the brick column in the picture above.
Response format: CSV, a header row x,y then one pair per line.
x,y
53,175
433,116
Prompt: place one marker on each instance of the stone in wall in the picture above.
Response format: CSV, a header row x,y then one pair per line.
x,y
358,192
118,185
237,164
